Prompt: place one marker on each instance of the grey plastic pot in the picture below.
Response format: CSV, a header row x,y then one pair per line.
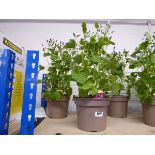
x,y
149,113
118,106
57,109
91,113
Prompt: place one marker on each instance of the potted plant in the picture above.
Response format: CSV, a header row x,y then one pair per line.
x,y
116,64
143,76
91,76
57,79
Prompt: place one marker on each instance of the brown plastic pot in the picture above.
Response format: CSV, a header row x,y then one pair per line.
x,y
118,106
57,109
91,113
149,113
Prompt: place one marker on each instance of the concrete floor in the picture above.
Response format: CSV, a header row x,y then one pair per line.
x,y
132,125
14,125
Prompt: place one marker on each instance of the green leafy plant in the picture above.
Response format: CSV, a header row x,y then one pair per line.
x,y
59,70
142,79
116,64
89,65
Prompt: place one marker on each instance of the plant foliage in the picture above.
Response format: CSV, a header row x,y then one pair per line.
x,y
142,79
89,68
59,75
116,64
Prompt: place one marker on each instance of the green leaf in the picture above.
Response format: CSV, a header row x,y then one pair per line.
x,y
96,25
46,54
39,81
137,51
53,57
147,100
144,45
78,59
103,82
95,59
56,96
153,58
70,44
93,91
80,77
135,64
92,39
83,93
82,41
51,49
105,41
84,27
109,42
88,85
69,91
41,67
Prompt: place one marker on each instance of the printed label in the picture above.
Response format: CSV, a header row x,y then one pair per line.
x,y
11,45
98,114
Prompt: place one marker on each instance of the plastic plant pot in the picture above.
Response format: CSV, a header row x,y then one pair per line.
x,y
57,109
91,113
118,106
149,113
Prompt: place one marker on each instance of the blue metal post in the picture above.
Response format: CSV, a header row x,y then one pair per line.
x,y
30,90
43,99
7,62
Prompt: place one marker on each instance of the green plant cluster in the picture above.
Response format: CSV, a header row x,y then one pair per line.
x,y
86,60
116,64
142,79
59,76
94,68
89,68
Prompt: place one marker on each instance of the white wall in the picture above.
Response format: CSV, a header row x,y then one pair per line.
x,y
33,35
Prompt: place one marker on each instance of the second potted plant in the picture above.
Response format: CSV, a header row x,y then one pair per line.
x,y
143,77
116,63
57,79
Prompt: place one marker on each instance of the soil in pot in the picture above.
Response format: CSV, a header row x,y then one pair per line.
x,y
57,109
149,113
91,113
118,106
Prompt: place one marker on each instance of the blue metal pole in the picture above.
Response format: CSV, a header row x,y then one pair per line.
x,y
7,62
43,99
30,90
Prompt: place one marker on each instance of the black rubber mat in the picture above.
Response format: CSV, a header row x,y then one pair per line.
x,y
38,120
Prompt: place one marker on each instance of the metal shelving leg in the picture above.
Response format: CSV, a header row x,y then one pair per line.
x,y
43,99
30,90
7,62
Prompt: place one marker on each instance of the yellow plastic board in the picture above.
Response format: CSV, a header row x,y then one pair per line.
x,y
17,96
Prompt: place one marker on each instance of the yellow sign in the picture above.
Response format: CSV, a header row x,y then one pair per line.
x,y
11,45
17,96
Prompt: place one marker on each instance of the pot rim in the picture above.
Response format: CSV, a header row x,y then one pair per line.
x,y
119,99
66,98
120,96
90,98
